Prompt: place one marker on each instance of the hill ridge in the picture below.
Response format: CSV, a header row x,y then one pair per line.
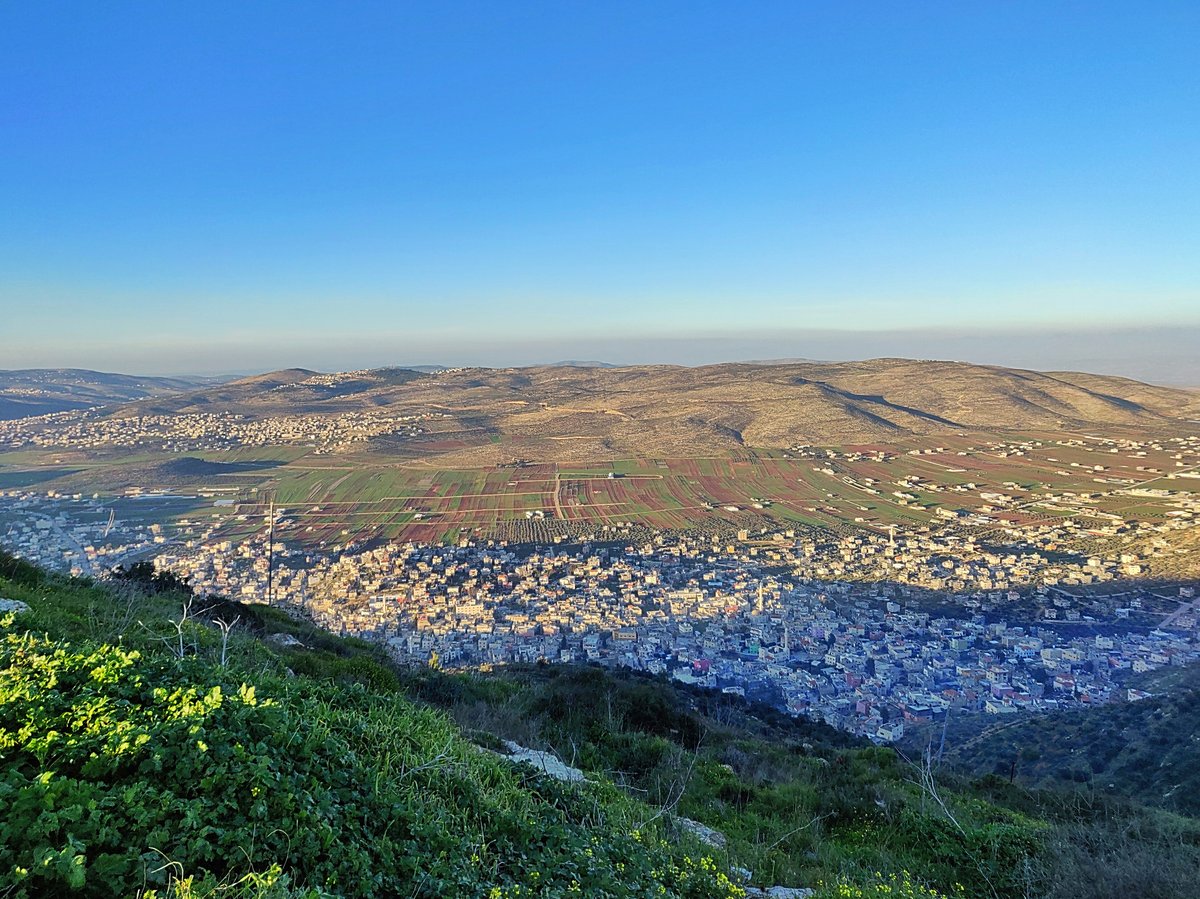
x,y
39,391
665,410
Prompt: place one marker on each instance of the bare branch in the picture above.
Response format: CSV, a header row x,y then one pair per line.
x,y
225,627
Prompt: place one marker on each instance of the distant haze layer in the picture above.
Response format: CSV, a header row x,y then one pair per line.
x,y
1165,355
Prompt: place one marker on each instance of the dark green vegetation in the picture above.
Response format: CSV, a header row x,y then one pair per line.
x,y
802,803
1147,750
140,752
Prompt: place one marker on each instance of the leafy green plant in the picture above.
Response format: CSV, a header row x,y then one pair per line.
x,y
113,761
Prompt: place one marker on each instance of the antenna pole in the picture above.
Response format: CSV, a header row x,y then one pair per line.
x,y
271,556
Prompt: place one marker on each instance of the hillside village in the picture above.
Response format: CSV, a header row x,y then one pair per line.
x,y
993,597
200,431
866,631
864,657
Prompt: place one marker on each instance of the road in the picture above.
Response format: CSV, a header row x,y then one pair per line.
x,y
1184,609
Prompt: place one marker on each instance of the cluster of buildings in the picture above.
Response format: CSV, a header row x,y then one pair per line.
x,y
193,431
1003,597
73,533
755,618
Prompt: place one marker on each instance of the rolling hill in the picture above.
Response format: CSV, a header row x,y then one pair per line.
x,y
558,412
38,391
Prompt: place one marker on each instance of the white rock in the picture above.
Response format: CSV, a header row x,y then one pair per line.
x,y
745,875
703,832
13,605
284,640
546,762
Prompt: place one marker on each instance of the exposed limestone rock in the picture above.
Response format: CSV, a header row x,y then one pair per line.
x,y
546,762
287,641
552,766
702,832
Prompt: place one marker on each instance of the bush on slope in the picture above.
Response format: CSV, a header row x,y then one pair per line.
x,y
121,770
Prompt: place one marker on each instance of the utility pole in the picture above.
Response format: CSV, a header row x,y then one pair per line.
x,y
271,555
942,745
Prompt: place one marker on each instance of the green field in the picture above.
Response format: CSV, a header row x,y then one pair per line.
x,y
366,495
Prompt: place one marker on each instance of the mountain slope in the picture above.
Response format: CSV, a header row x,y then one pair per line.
x,y
127,769
1148,750
38,391
563,412
238,395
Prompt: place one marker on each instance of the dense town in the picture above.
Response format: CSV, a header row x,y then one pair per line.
x,y
866,631
198,431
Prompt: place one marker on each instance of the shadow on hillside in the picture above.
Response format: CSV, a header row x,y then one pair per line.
x,y
15,480
191,466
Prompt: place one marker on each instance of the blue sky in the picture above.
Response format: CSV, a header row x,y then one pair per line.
x,y
209,187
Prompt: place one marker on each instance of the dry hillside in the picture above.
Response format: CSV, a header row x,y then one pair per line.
x,y
571,412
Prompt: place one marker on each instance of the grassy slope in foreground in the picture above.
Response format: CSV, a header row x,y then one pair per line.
x,y
124,768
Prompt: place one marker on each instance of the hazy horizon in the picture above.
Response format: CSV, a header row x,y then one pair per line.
x,y
1162,356
235,187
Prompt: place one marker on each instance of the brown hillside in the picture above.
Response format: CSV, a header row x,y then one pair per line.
x,y
571,413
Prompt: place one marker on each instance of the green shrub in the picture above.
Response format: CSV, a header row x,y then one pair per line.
x,y
896,886
121,770
19,571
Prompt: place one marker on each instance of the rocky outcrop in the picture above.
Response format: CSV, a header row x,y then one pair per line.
x,y
546,762
705,834
285,641
550,765
712,837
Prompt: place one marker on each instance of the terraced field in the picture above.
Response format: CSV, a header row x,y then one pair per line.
x,y
335,499
546,453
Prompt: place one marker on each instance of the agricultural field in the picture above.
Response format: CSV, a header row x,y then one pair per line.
x,y
997,481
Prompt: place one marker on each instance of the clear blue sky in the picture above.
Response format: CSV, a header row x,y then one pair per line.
x,y
210,186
